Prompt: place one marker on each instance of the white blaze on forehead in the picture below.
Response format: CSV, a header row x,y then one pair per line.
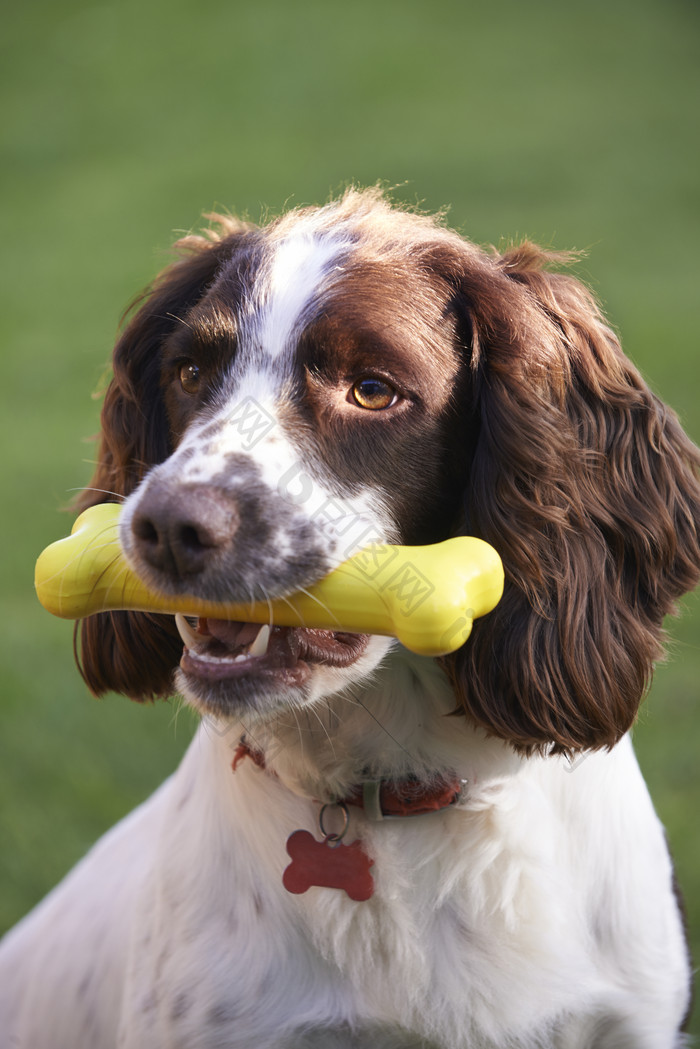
x,y
298,270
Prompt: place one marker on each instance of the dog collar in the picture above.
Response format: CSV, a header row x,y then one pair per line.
x,y
383,799
331,864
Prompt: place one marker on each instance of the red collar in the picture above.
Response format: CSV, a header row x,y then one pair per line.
x,y
386,798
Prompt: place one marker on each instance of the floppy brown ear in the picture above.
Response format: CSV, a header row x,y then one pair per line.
x,y
131,652
588,487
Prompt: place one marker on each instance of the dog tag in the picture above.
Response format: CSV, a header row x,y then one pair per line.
x,y
328,864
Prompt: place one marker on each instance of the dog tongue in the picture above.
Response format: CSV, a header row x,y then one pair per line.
x,y
230,632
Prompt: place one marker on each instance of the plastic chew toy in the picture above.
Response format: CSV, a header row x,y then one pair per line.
x,y
426,596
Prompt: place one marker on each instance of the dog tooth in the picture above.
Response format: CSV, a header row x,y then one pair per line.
x,y
186,632
259,645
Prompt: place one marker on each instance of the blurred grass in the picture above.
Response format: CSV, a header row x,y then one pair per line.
x,y
575,125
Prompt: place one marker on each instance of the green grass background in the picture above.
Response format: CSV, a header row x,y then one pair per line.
x,y
575,124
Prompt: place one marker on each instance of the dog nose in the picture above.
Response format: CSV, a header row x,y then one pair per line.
x,y
179,531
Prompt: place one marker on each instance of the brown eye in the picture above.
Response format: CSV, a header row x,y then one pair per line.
x,y
189,377
374,394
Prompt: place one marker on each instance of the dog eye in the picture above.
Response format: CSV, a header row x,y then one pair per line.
x,y
189,377
374,394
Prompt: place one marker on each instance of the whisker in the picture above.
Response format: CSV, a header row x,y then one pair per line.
x,y
312,710
358,703
102,491
300,734
292,606
322,604
121,579
266,598
179,320
177,708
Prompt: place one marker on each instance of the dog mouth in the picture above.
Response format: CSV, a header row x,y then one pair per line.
x,y
219,650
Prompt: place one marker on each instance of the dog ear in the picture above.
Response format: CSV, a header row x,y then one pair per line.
x,y
131,652
588,487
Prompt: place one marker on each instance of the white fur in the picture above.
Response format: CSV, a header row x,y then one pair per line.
x,y
298,270
532,916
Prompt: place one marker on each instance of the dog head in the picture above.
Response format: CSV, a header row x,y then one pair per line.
x,y
285,395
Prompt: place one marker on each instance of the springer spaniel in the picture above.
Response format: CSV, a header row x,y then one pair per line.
x,y
283,396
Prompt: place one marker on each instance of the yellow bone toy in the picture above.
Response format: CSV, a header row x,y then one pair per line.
x,y
426,596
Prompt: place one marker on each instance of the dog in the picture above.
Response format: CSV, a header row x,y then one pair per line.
x,y
363,847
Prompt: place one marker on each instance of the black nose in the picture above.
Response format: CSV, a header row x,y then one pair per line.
x,y
180,531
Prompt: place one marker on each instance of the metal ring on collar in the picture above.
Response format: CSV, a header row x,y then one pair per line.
x,y
331,837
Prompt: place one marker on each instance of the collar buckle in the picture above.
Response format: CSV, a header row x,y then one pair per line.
x,y
451,795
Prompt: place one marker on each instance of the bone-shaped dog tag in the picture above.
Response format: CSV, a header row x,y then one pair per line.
x,y
328,864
